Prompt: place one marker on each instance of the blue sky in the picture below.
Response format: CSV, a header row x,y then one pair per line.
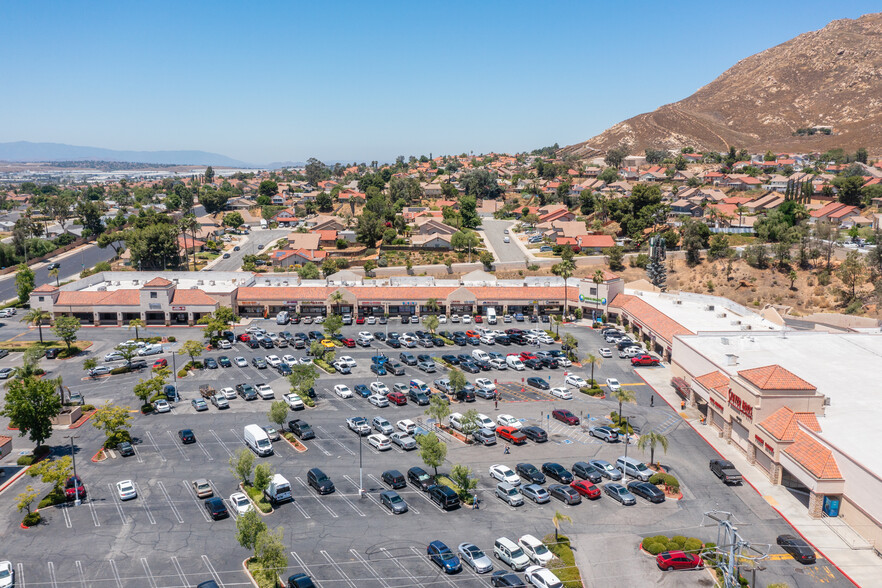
x,y
282,80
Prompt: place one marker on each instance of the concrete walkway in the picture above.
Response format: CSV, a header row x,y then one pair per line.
x,y
862,566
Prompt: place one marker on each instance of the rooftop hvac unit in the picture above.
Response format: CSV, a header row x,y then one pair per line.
x,y
102,288
194,287
285,283
200,282
709,307
116,283
721,315
678,301
135,282
826,401
211,282
175,280
724,340
736,322
731,359
745,327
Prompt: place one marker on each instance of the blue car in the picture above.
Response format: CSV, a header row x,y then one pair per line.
x,y
378,369
442,557
362,390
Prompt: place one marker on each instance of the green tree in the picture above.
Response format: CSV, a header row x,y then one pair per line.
x,y
248,527
852,272
432,450
324,202
233,220
24,282
468,209
268,188
792,276
36,317
192,348
609,175
66,328
457,380
487,259
849,189
565,269
309,271
623,395
278,413
147,389
333,325
719,247
595,362
90,364
136,324
263,473
209,175
214,201
651,440
614,257
53,273
242,465
269,559
438,409
463,477
24,500
695,238
431,323
557,520
316,171
114,421
52,471
469,421
30,405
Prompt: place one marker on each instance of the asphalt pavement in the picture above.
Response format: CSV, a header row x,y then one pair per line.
x,y
494,232
255,238
71,266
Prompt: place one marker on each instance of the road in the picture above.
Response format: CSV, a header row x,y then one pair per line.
x,y
71,266
249,247
493,229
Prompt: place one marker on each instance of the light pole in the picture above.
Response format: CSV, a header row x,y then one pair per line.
x,y
360,469
73,458
627,442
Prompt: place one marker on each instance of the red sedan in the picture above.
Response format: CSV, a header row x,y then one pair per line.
x,y
565,416
586,488
244,337
525,355
478,319
678,560
348,342
73,487
644,360
359,320
160,363
397,398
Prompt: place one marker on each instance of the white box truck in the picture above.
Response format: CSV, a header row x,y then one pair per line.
x,y
257,439
278,490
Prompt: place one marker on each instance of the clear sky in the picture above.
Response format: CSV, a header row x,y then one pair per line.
x,y
268,80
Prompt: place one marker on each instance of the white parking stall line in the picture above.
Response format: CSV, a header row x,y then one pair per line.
x,y
317,499
370,569
401,567
142,499
337,567
137,454
148,573
196,501
94,514
115,573
82,576
52,578
205,451
237,435
426,559
317,445
301,563
67,521
222,444
349,502
178,445
155,446
19,576
170,503
212,571
180,571
117,503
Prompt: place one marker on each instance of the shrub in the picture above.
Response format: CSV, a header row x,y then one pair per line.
x,y
31,519
52,499
25,460
679,539
117,438
824,278
123,369
182,373
657,539
88,407
172,339
671,546
147,409
654,548
640,260
692,544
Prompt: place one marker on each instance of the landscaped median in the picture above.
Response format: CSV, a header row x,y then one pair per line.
x,y
564,565
257,498
294,442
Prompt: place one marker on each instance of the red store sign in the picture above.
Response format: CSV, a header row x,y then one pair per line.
x,y
716,404
740,405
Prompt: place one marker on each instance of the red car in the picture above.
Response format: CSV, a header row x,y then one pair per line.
x,y
478,319
678,560
525,355
512,435
396,398
73,487
565,416
160,363
244,337
348,342
586,488
644,360
359,320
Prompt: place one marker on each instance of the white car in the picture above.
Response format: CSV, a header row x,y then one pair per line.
x,y
305,361
442,319
605,352
561,393
126,490
503,473
380,442
366,335
150,350
485,422
293,401
240,503
379,388
535,550
541,577
240,362
544,338
613,384
485,384
378,400
319,320
466,319
114,356
343,391
273,360
255,331
133,343
161,406
7,574
265,391
487,339
290,360
229,393
406,425
371,320
574,380
563,361
506,420
498,364
347,361
454,318
225,344
100,370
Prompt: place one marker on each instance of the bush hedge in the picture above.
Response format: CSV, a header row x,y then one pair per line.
x,y
38,453
258,498
658,543
654,548
31,519
172,339
325,366
182,373
53,498
591,391
666,479
123,369
564,566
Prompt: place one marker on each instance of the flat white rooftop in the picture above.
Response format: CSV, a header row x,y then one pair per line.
x,y
843,367
692,311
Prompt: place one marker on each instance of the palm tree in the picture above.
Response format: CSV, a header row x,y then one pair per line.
x,y
741,210
652,439
623,395
564,269
136,324
53,273
593,361
336,299
557,519
36,316
432,305
188,223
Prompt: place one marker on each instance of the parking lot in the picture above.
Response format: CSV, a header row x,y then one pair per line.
x,y
166,538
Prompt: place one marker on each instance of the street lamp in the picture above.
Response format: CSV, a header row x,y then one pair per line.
x,y
627,442
73,458
360,468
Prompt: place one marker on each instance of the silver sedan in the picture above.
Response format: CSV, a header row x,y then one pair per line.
x,y
474,557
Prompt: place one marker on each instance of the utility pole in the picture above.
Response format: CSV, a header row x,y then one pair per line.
x,y
733,550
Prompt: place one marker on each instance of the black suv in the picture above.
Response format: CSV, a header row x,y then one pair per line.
x,y
536,434
417,397
394,478
557,471
301,429
418,477
445,497
530,473
246,391
319,481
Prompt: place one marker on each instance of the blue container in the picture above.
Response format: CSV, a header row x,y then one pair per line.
x,y
831,506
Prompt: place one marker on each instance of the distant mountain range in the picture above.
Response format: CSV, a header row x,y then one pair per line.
x,y
25,151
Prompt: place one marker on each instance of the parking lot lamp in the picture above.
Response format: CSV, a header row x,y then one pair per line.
x,y
73,459
627,442
360,469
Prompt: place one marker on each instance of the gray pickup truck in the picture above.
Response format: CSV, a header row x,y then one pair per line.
x,y
725,471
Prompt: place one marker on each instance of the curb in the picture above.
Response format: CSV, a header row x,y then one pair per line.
x,y
298,450
14,478
256,509
792,526
82,420
100,452
247,571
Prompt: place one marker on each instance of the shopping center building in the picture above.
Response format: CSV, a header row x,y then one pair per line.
x,y
182,298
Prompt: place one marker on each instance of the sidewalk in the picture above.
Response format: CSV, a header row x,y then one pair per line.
x,y
862,566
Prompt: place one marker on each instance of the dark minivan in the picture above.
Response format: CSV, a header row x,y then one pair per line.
x,y
319,481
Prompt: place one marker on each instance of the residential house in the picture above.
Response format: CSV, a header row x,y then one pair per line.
x,y
285,217
654,174
685,207
433,241
188,244
777,182
327,237
555,213
682,175
431,226
291,257
741,182
328,223
629,173
768,201
308,241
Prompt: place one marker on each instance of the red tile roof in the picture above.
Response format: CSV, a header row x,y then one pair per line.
x,y
192,298
89,298
783,423
46,288
157,282
774,377
595,241
653,319
814,457
714,381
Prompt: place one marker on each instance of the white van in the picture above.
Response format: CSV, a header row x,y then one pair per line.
x,y
419,386
490,314
514,363
257,439
278,490
282,318
480,355
263,223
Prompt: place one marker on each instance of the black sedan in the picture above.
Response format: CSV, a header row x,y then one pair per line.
x,y
565,494
503,578
216,508
224,361
538,383
533,364
393,342
530,473
798,548
464,357
557,471
468,366
647,491
210,363
536,434
451,359
186,436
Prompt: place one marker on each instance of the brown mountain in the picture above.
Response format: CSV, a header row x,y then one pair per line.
x,y
831,77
